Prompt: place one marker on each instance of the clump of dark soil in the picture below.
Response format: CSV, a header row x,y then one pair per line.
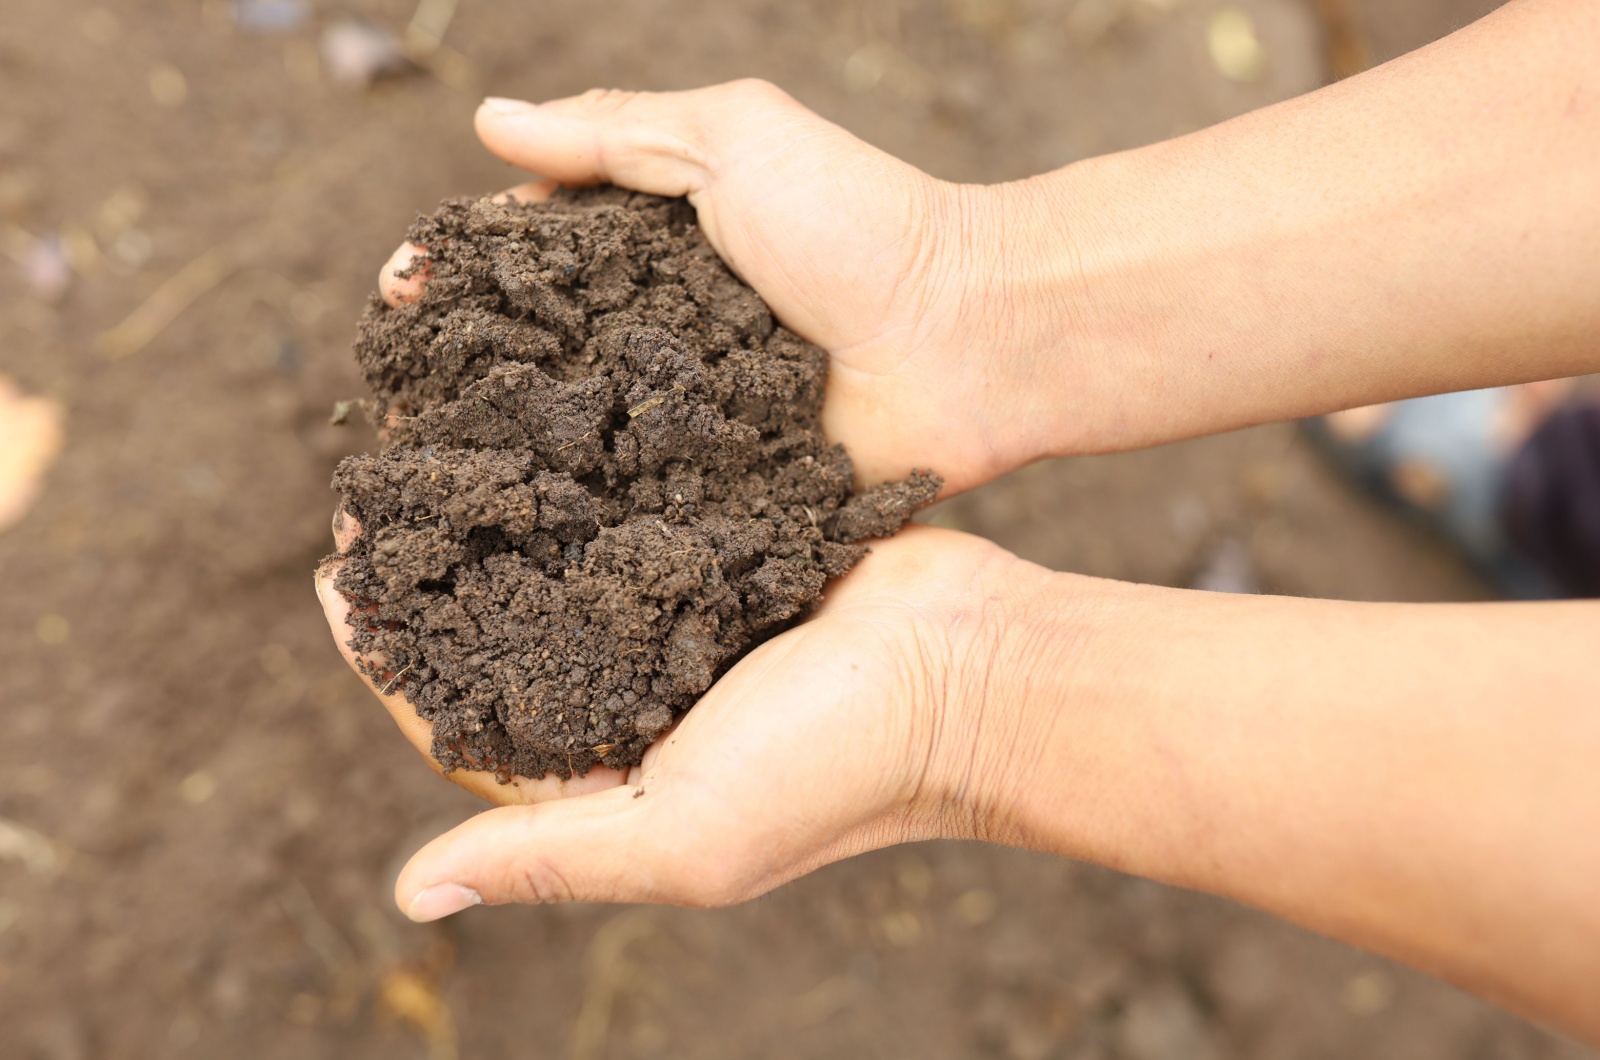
x,y
604,482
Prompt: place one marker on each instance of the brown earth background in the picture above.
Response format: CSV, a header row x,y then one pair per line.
x,y
201,809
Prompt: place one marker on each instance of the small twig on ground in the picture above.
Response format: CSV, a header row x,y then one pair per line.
x,y
424,44
415,997
610,973
169,300
429,23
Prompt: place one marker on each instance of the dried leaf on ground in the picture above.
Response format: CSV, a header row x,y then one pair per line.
x,y
30,438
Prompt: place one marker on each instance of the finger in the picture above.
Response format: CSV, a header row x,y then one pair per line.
x,y
397,289
620,846
659,142
336,608
572,145
532,191
604,847
671,835
400,290
346,528
419,733
662,838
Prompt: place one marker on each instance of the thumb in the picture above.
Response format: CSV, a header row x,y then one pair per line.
x,y
609,846
665,143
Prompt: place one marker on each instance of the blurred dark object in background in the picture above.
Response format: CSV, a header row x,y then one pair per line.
x,y
1553,499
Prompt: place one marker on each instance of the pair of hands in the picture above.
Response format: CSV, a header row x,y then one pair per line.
x,y
860,728
1319,760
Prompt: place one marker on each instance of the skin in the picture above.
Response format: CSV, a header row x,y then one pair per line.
x,y
1415,779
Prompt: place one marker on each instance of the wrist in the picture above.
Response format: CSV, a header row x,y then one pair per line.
x,y
1029,670
1149,296
1062,722
1045,291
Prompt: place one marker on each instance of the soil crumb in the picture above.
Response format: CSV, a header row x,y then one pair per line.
x,y
605,481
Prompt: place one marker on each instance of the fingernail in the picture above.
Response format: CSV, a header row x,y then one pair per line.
x,y
501,105
442,900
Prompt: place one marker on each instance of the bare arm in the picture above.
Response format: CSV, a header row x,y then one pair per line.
x,y
1420,780
1431,225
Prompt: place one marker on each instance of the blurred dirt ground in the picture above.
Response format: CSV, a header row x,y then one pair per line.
x,y
200,807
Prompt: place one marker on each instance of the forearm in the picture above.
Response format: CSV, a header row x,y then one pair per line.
x,y
1431,225
1418,780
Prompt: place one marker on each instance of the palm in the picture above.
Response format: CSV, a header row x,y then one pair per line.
x,y
820,744
835,689
814,746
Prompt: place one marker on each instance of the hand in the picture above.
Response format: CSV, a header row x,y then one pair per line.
x,y
855,730
895,273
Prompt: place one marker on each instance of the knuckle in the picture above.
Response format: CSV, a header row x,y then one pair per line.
x,y
755,90
703,890
539,882
709,880
609,100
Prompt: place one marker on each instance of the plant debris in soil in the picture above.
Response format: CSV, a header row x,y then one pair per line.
x,y
605,480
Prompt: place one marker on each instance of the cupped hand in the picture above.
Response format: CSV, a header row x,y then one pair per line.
x,y
896,274
857,729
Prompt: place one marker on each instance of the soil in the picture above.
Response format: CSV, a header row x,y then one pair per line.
x,y
605,481
202,809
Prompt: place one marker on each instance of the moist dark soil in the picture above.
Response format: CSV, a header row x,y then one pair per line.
x,y
605,481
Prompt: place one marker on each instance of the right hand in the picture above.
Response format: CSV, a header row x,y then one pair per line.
x,y
895,273
889,716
